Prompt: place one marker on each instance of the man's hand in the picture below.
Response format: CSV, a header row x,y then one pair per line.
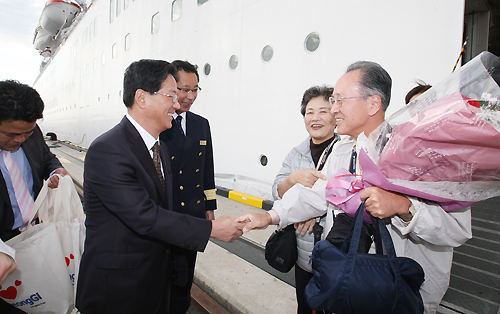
x,y
210,215
255,221
304,226
226,229
7,266
382,204
54,180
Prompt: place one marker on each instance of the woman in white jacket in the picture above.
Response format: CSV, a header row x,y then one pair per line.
x,y
302,165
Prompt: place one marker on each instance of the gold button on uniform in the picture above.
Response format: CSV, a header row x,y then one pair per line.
x,y
197,170
182,204
199,154
197,185
181,187
197,202
172,157
180,172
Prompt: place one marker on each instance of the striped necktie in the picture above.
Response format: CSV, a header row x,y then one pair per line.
x,y
157,162
23,196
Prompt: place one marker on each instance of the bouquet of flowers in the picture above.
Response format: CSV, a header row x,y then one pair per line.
x,y
443,146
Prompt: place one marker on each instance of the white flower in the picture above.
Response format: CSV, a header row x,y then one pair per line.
x,y
486,96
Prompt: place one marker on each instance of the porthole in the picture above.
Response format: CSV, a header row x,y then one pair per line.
x,y
263,160
103,58
312,42
119,6
233,62
207,68
112,6
127,41
95,27
267,53
114,51
200,2
155,23
176,10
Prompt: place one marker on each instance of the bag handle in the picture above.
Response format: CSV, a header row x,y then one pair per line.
x,y
38,202
63,204
355,232
66,187
389,248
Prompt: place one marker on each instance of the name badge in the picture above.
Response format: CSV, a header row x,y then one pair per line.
x,y
203,142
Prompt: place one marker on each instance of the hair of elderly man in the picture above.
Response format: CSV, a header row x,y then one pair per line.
x,y
313,92
374,81
19,102
147,75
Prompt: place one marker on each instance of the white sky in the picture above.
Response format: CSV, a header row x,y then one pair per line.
x,y
18,58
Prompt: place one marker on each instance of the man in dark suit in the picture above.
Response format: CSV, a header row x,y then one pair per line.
x,y
128,201
190,146
21,141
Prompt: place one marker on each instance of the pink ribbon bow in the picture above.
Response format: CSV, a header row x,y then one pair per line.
x,y
343,190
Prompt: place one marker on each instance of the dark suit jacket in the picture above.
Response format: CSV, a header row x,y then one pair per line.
x,y
42,163
192,165
130,226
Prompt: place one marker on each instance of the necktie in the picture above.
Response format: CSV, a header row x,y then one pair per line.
x,y
352,165
179,124
23,196
157,162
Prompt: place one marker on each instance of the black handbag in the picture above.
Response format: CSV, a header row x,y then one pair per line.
x,y
345,281
281,249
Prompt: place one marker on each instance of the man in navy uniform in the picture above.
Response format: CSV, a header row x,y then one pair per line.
x,y
190,145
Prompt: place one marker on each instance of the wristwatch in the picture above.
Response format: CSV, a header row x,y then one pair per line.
x,y
411,212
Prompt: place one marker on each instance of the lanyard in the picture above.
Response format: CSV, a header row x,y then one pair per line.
x,y
326,153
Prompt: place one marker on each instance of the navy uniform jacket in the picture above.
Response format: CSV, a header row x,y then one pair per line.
x,y
130,226
192,166
42,163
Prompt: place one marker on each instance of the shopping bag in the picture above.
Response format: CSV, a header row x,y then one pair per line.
x,y
63,207
48,254
345,281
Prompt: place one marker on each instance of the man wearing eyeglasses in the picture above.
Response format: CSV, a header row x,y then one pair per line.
x,y
190,145
419,230
25,162
131,227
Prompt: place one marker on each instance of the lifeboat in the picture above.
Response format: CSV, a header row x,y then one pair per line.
x,y
44,42
58,15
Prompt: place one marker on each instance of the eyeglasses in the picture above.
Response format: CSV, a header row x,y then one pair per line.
x,y
175,97
338,100
187,90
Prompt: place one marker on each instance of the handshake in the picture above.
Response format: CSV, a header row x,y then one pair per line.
x,y
228,229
